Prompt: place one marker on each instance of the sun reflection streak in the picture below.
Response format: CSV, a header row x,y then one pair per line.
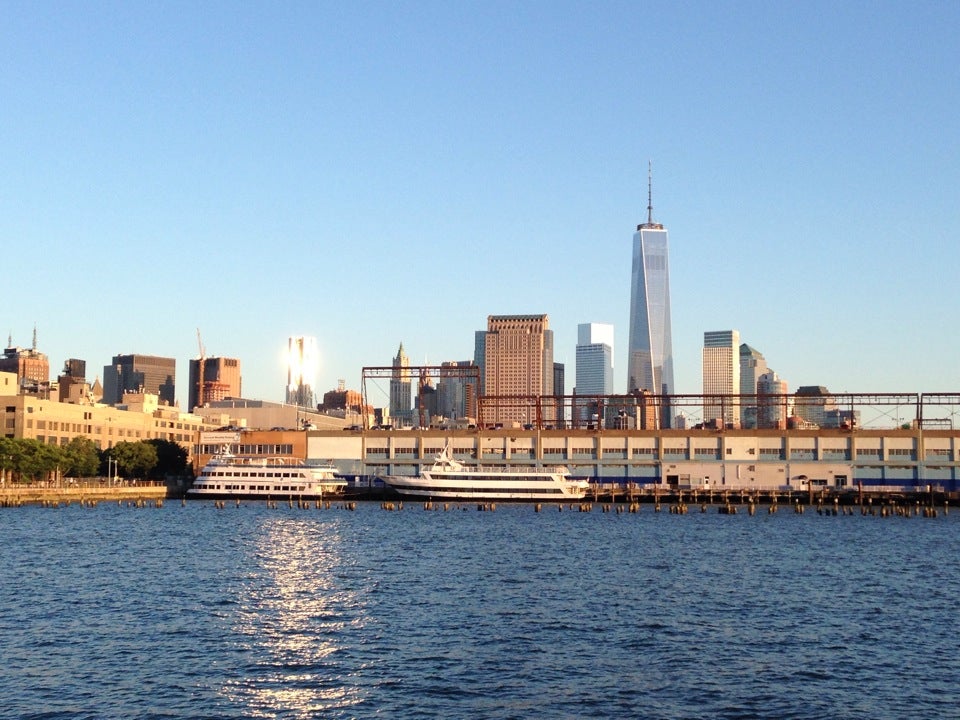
x,y
295,617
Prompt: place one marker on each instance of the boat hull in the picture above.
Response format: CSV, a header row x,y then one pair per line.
x,y
228,477
450,479
493,490
328,493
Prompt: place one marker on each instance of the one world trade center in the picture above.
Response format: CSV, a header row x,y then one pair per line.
x,y
650,364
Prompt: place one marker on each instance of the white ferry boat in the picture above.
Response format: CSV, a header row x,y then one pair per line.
x,y
229,476
449,479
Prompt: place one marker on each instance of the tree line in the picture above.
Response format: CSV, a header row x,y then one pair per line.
x,y
29,460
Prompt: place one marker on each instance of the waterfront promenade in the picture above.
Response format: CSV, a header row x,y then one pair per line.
x,y
14,494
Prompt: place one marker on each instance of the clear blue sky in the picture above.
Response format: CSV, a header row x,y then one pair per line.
x,y
371,173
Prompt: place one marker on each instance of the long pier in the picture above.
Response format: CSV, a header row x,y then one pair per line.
x,y
613,493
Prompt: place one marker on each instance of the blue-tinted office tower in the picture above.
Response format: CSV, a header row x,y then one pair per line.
x,y
594,359
650,362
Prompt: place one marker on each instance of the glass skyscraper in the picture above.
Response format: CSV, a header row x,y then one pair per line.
x,y
302,357
594,359
650,362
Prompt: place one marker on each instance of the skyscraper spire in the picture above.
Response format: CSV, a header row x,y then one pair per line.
x,y
650,224
649,192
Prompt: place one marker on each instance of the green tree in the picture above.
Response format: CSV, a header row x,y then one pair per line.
x,y
134,459
35,461
171,459
7,452
81,458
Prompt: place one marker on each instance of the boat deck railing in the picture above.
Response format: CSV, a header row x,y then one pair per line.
x,y
503,469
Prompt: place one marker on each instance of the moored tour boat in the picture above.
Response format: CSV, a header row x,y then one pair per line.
x,y
228,476
449,479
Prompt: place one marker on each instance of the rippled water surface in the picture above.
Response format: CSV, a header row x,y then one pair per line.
x,y
285,613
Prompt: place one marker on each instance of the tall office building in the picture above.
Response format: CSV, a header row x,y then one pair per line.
x,y
518,369
650,360
401,398
816,405
752,366
594,359
594,371
425,402
140,374
219,380
480,355
773,404
302,358
31,366
721,376
559,390
457,390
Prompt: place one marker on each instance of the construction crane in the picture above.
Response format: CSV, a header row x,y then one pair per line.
x,y
201,368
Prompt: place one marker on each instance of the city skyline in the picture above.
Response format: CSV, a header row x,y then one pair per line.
x,y
372,173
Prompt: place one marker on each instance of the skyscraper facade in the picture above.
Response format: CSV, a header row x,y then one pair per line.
x,y
457,390
401,391
518,369
138,374
650,360
32,368
816,405
480,356
773,403
752,366
559,390
721,376
217,380
302,359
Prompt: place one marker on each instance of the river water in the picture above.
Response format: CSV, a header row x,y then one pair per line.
x,y
181,612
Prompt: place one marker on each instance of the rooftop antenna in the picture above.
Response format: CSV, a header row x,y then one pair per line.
x,y
34,336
